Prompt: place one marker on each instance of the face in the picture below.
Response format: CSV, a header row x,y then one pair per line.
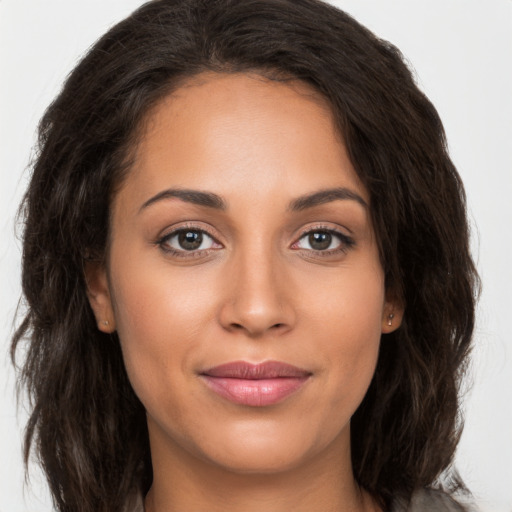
x,y
243,276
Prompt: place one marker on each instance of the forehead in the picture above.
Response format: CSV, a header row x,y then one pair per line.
x,y
236,132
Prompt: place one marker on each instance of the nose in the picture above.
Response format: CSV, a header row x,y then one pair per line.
x,y
257,299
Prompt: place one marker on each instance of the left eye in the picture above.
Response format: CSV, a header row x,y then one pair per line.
x,y
320,241
188,240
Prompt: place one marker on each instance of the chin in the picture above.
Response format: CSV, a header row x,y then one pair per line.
x,y
253,461
267,450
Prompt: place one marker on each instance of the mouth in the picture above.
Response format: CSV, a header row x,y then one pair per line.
x,y
256,385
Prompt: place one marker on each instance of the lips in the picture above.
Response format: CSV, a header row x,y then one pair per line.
x,y
256,385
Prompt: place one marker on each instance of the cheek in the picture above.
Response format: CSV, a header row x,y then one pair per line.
x,y
158,318
154,301
347,319
349,305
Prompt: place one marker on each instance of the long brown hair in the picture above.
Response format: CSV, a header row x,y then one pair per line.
x,y
87,426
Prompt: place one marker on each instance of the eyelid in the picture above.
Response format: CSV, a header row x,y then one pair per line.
x,y
192,225
323,227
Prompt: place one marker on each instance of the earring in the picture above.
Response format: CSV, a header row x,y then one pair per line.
x,y
390,319
105,322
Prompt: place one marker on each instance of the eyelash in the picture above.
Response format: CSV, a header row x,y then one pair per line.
x,y
346,242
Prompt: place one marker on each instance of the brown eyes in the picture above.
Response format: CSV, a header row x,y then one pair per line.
x,y
187,242
319,241
323,242
191,240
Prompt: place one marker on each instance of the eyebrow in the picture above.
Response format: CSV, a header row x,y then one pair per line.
x,y
208,199
325,196
211,200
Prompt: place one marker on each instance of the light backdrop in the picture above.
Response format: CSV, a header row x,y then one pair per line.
x,y
462,53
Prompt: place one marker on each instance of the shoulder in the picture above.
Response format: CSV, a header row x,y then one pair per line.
x,y
426,500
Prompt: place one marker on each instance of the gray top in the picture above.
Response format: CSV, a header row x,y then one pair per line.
x,y
426,500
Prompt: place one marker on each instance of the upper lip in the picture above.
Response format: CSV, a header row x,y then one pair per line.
x,y
250,371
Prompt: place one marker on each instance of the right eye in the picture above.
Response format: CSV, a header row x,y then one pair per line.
x,y
187,242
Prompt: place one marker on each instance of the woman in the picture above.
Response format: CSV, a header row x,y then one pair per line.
x,y
247,270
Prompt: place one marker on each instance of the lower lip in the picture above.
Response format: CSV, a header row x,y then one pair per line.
x,y
256,393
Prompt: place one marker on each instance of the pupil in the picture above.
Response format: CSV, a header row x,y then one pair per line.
x,y
320,240
190,240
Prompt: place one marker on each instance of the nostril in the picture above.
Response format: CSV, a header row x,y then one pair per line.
x,y
239,327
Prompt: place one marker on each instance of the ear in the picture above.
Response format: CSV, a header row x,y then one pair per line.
x,y
392,315
98,293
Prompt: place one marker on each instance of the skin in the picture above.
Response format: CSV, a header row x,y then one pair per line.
x,y
256,290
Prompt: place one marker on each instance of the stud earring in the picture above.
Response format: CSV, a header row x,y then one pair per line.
x,y
105,322
390,319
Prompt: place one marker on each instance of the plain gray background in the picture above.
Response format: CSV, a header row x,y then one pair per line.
x,y
462,53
